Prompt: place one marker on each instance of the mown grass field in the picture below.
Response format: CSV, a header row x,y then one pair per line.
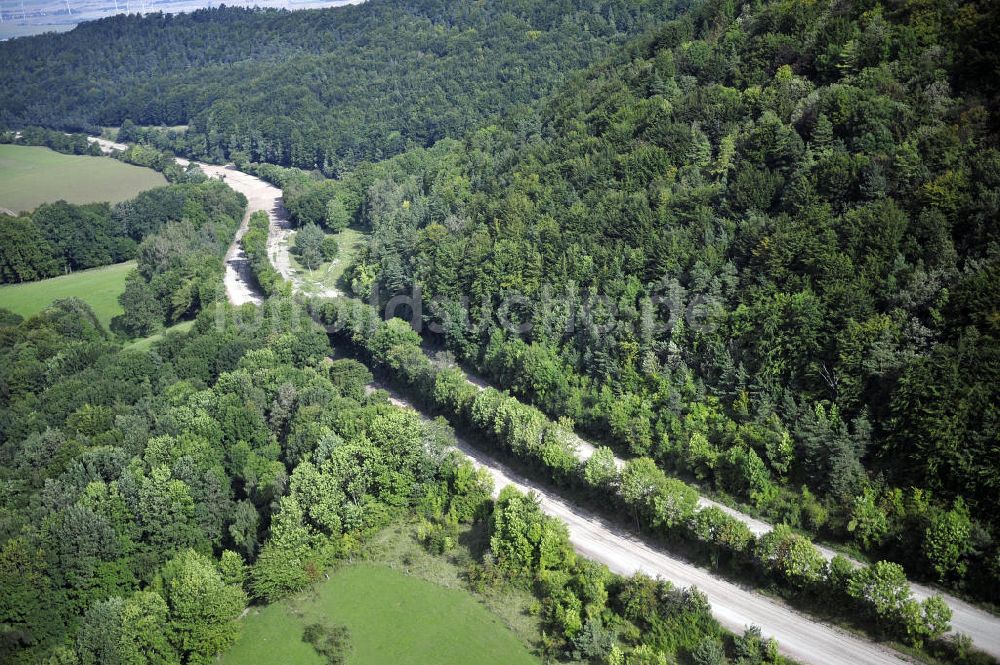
x,y
98,287
31,175
396,615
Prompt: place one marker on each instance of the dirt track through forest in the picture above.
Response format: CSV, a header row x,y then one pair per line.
x,y
241,287
611,548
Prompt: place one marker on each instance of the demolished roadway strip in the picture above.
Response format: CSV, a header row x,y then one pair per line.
x,y
978,624
799,637
981,626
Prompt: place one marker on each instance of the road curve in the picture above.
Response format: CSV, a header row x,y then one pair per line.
x,y
241,287
799,637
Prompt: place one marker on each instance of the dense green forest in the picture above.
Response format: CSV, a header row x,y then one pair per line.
x,y
149,495
876,598
138,485
752,246
60,237
179,268
736,248
315,89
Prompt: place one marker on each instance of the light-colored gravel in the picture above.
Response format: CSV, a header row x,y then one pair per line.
x,y
241,287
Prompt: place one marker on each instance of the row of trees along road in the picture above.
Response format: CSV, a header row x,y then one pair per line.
x,y
830,207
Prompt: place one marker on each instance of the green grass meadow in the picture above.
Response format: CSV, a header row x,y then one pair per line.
x,y
32,175
330,275
394,619
99,287
146,343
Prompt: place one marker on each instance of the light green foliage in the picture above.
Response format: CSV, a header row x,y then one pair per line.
x,y
746,473
233,569
883,589
395,333
702,456
840,572
167,450
203,608
792,556
869,521
780,451
287,561
320,494
181,257
599,471
936,617
713,525
814,512
453,393
525,541
947,540
144,630
645,654
337,217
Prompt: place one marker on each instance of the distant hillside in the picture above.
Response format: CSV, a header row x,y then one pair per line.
x,y
35,17
317,88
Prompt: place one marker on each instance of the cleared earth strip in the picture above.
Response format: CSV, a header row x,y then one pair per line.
x,y
978,624
981,626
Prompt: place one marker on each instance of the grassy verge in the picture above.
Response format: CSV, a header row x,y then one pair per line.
x,y
98,287
145,343
32,175
330,275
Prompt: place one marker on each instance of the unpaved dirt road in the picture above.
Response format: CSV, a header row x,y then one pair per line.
x,y
799,636
261,195
241,287
980,625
